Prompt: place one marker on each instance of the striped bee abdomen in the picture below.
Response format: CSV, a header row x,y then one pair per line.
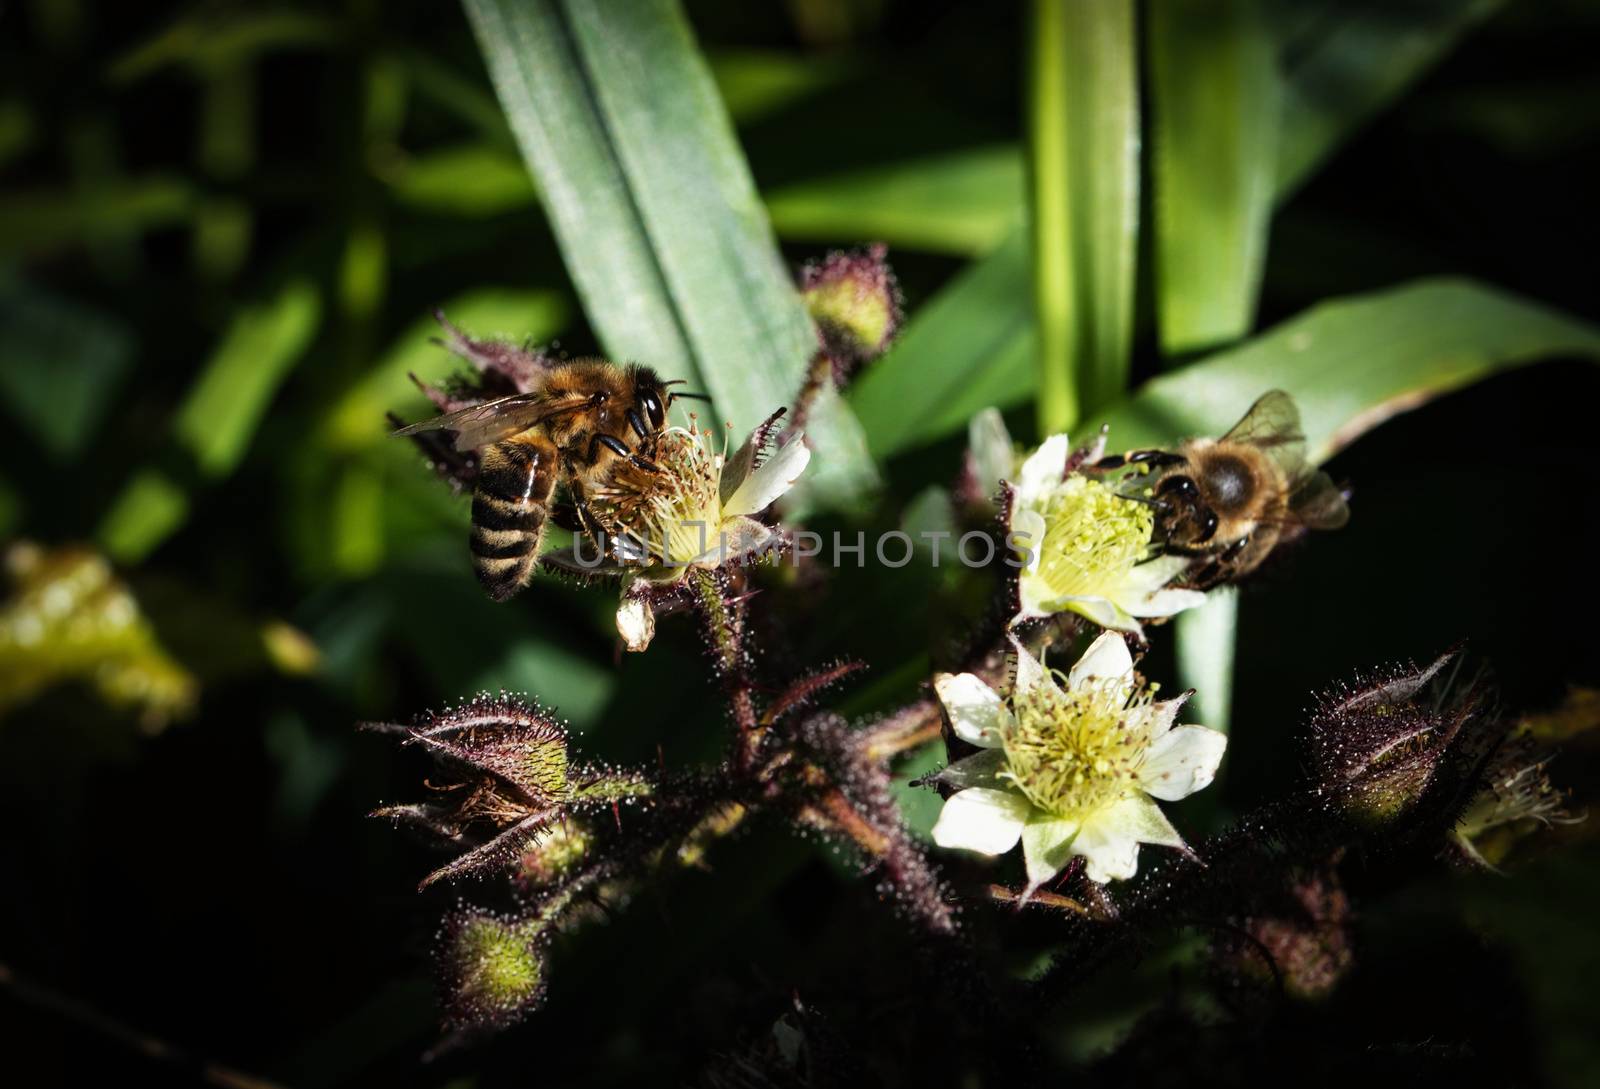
x,y
509,505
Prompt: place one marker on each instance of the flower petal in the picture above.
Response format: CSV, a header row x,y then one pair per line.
x,y
981,819
775,476
1047,847
1182,761
1043,470
981,769
739,540
1163,713
990,445
1164,602
1135,817
976,711
1102,611
1106,659
1109,842
1030,674
1027,530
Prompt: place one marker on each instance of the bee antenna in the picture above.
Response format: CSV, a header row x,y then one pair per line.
x,y
692,397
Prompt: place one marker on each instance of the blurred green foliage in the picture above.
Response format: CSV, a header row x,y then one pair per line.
x,y
222,228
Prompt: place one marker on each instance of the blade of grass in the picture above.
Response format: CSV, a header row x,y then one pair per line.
x,y
1084,190
1353,363
653,207
964,203
1215,114
218,418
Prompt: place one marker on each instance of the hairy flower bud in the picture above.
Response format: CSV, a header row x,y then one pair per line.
x,y
1377,746
1308,940
1516,798
855,301
491,968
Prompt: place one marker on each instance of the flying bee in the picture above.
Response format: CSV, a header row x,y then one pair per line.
x,y
1229,502
582,418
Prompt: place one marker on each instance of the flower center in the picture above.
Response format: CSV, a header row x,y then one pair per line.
x,y
670,516
1092,537
1074,750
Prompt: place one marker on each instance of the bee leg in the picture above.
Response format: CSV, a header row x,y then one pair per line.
x,y
1156,459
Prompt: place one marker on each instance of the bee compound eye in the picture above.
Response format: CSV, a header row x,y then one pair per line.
x,y
652,405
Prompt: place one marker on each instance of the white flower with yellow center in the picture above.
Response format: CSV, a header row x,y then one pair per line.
x,y
695,510
1088,548
1070,765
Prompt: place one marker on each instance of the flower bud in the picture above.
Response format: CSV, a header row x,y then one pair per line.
x,y
1309,940
1515,799
491,968
855,301
1377,746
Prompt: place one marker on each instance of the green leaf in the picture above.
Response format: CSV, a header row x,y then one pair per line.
x,y
44,221
653,206
1215,106
477,180
1084,184
60,364
964,202
263,341
756,83
1351,61
219,416
1354,363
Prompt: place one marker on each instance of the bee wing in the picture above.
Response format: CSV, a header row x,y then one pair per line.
x,y
1317,503
1273,426
492,421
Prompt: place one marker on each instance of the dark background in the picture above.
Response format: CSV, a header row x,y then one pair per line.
x,y
215,886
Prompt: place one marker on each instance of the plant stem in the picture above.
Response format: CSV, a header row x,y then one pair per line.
x,y
724,621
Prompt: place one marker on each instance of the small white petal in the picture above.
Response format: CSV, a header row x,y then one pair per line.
x,y
1047,847
1182,761
990,445
1030,674
1033,593
981,769
1163,713
983,820
776,476
1110,848
1027,532
1099,610
738,540
1164,602
1106,659
1135,817
1043,470
976,711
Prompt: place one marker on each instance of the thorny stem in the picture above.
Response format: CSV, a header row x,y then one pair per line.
x,y
724,625
912,726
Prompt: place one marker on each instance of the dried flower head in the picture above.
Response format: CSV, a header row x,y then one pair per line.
x,y
1516,798
511,782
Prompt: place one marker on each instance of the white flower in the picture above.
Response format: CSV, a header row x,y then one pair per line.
x,y
695,510
1088,548
1070,765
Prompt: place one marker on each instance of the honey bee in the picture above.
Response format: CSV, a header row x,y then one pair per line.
x,y
1229,502
583,419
